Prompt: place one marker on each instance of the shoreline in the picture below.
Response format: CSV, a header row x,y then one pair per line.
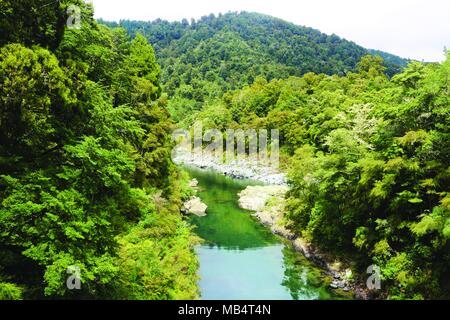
x,y
237,169
272,215
268,203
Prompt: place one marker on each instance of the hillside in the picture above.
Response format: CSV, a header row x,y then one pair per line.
x,y
232,49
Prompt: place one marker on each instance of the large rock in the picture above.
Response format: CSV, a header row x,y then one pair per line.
x,y
268,202
302,246
195,206
255,198
193,183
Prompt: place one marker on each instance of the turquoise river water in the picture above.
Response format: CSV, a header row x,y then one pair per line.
x,y
242,260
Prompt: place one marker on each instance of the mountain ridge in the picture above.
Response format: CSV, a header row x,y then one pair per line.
x,y
163,34
203,59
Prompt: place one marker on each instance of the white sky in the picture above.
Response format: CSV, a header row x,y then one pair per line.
x,y
415,29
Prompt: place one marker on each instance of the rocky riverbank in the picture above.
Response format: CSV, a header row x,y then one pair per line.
x,y
268,202
239,169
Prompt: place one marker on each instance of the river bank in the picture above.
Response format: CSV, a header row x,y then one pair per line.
x,y
268,204
238,169
240,258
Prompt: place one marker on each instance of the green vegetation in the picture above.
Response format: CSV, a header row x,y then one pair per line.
x,y
371,174
368,162
86,178
201,60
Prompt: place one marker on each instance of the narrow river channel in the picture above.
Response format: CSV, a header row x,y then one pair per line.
x,y
241,259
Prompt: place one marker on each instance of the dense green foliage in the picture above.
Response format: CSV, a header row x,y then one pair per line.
x,y
86,178
203,59
33,21
368,159
377,178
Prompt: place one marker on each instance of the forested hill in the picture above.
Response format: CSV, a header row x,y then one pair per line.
x,y
234,48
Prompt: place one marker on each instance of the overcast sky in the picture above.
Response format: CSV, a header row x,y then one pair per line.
x,y
409,28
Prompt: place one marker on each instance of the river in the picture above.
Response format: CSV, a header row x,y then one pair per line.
x,y
242,260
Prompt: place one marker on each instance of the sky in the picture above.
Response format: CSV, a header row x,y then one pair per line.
x,y
415,29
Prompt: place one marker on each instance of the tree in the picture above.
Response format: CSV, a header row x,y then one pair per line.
x,y
85,170
371,65
36,101
34,22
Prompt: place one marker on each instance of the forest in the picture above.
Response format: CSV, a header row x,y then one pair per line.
x,y
355,124
368,163
205,58
86,176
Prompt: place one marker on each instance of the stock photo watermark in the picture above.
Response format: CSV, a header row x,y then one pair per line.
x,y
74,15
374,280
74,280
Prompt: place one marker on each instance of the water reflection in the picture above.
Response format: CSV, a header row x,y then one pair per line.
x,y
241,259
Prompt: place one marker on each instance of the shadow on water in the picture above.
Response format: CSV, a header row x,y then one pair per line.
x,y
240,258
